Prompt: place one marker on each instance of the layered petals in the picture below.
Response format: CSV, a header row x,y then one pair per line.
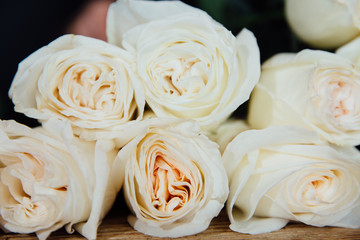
x,y
50,179
175,182
191,67
317,90
83,80
290,175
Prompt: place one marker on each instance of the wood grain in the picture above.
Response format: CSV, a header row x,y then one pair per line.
x,y
116,227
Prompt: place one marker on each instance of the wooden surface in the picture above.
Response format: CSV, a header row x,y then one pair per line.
x,y
116,227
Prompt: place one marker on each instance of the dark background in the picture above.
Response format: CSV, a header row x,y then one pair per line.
x,y
28,25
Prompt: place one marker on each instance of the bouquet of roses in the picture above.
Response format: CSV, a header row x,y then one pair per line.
x,y
148,112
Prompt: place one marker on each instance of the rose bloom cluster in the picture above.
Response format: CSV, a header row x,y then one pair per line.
x,y
148,114
295,156
129,116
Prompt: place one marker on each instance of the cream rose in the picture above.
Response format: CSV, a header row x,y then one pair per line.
x,y
324,23
48,182
314,89
190,66
84,80
175,182
279,174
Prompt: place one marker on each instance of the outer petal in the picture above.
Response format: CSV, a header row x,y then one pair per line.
x,y
351,51
105,189
126,14
95,160
244,78
249,58
227,131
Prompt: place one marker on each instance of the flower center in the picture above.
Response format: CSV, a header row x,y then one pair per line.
x,y
337,96
90,87
171,187
320,189
28,190
177,72
181,76
344,103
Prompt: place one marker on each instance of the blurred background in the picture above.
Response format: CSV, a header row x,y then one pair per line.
x,y
29,25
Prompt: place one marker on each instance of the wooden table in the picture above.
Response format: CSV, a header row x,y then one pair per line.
x,y
116,227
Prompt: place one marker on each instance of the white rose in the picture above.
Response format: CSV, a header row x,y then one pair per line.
x,y
175,182
324,23
47,182
314,89
190,66
84,80
279,174
226,132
